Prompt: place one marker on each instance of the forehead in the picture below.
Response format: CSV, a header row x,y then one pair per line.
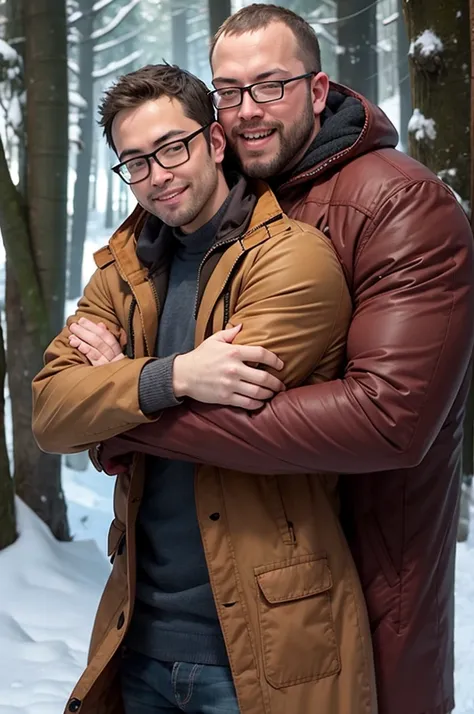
x,y
143,125
245,56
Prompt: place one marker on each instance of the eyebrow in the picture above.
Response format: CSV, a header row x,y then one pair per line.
x,y
162,139
260,77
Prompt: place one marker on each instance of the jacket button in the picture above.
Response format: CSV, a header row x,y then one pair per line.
x,y
215,516
74,705
121,621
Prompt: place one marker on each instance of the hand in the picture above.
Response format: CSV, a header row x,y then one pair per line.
x,y
95,341
217,372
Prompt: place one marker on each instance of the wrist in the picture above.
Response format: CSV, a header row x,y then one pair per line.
x,y
180,380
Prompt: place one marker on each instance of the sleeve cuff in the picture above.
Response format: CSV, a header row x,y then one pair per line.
x,y
155,387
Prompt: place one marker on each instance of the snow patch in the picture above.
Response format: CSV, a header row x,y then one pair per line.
x,y
8,53
422,128
49,593
427,44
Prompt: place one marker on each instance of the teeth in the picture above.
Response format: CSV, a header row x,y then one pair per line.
x,y
171,195
261,135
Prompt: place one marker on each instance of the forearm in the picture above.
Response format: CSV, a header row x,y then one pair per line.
x,y
78,406
315,428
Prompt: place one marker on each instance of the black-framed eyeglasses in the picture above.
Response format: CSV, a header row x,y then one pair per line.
x,y
169,156
261,92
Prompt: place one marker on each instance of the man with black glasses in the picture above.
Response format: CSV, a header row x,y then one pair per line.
x,y
218,578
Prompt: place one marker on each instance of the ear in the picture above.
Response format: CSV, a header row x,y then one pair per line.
x,y
218,142
319,90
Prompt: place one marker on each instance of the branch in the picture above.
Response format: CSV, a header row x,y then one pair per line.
x,y
16,239
74,67
121,15
78,15
118,40
112,67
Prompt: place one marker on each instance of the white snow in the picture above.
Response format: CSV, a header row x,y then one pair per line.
x,y
76,100
116,20
7,52
114,67
426,44
421,127
49,592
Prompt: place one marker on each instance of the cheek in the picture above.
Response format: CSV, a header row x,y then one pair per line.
x,y
228,119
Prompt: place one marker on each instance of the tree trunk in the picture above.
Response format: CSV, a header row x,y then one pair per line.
x,y
439,63
7,493
406,109
219,10
84,158
357,38
109,204
38,475
179,37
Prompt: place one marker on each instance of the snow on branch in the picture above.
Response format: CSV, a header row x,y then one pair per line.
x,y
427,44
78,15
422,129
121,15
113,67
117,41
426,51
7,53
76,100
73,66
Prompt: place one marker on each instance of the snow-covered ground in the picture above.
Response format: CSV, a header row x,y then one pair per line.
x,y
49,591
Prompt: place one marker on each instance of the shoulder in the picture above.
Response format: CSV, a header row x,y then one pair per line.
x,y
301,252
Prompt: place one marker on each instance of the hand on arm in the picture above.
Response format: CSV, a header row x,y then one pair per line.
x,y
409,345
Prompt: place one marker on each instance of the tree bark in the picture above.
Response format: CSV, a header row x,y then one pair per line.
x,y
38,475
357,38
219,10
179,35
444,145
7,493
84,158
406,109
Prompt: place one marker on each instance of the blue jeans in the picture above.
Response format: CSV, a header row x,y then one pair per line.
x,y
152,687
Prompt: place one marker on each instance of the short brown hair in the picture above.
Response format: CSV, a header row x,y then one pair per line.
x,y
152,82
259,15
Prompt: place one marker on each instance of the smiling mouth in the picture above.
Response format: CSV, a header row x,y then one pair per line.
x,y
169,196
257,135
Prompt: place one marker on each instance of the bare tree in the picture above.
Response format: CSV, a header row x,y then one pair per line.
x,y
440,59
219,10
98,35
7,492
357,37
34,234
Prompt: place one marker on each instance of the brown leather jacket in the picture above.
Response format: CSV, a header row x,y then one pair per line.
x,y
394,420
287,593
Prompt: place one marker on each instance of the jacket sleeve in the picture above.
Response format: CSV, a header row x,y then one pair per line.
x,y
294,301
76,405
409,345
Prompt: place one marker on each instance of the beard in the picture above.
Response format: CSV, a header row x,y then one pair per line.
x,y
199,193
292,141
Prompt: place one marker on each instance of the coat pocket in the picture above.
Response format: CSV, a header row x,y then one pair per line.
x,y
296,625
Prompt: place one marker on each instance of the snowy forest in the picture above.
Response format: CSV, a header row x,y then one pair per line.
x,y
59,202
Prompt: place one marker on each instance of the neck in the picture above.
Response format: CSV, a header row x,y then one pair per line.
x,y
212,206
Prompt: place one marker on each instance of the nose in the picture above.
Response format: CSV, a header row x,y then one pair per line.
x,y
250,109
158,175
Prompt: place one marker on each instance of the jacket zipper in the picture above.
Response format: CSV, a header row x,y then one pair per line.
x,y
219,245
131,336
226,308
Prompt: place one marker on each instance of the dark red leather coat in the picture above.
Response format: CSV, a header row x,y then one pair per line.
x,y
394,422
